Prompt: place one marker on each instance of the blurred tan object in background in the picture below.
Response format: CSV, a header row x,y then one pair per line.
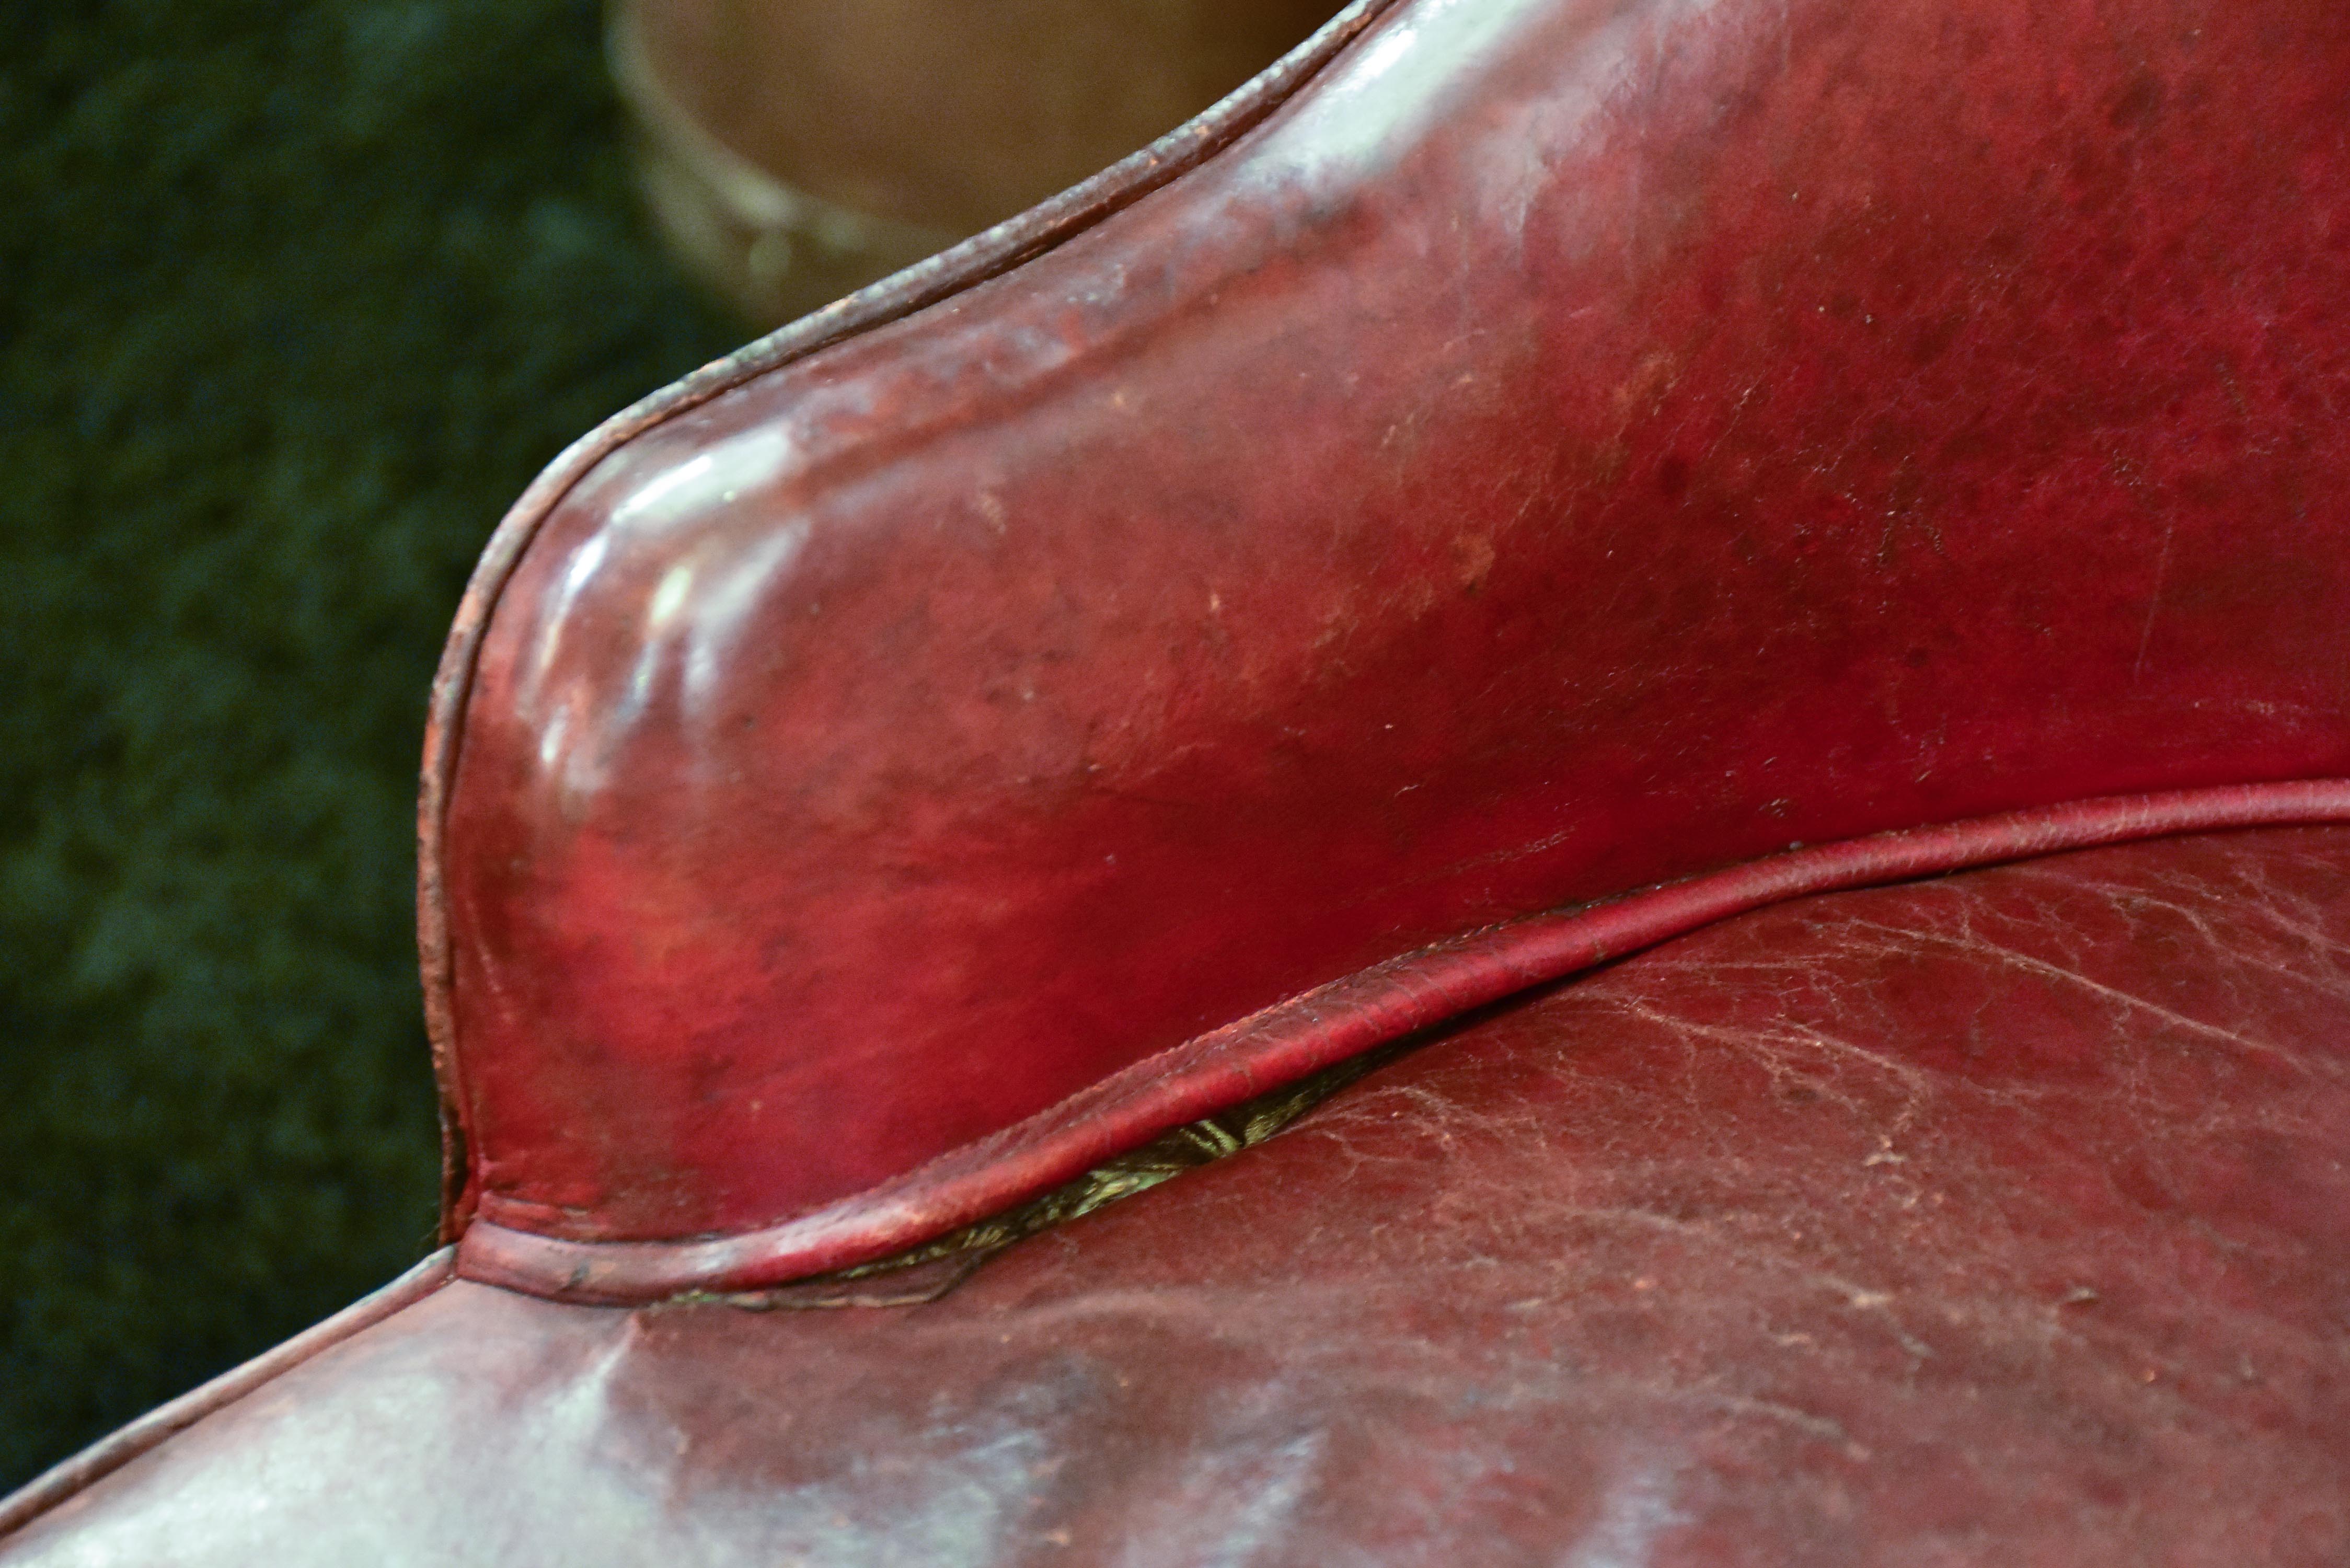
x,y
793,151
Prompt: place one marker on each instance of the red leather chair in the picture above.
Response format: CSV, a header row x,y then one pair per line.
x,y
1754,596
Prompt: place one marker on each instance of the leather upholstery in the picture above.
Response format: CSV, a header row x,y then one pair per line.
x,y
1513,455
1329,1027
1565,447
2000,1220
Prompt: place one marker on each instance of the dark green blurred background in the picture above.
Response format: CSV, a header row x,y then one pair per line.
x,y
294,299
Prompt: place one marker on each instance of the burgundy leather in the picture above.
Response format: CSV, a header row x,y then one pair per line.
x,y
1321,1028
2001,1219
1519,456
1566,446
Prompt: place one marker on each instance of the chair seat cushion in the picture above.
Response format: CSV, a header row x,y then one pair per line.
x,y
1998,1217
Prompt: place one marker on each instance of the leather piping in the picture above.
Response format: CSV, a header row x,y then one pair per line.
x,y
1325,1025
986,254
71,1477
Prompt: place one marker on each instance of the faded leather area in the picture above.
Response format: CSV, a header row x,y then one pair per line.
x,y
1998,1219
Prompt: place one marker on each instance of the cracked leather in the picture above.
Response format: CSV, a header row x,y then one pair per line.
x,y
2003,1218
1567,445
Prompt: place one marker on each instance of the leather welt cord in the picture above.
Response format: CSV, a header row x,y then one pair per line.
x,y
1331,1024
928,1270
912,1238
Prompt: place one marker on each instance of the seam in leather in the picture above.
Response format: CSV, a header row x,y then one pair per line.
x,y
1326,1024
71,1477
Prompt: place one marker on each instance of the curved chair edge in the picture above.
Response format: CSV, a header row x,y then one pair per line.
x,y
61,1483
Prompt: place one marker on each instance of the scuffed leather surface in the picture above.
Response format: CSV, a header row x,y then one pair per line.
x,y
1571,445
2003,1218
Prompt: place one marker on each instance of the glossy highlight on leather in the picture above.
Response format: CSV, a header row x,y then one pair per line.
x,y
1840,506
924,284
1560,448
62,1482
